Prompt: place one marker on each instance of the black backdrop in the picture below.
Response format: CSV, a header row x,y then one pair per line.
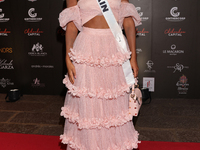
x,y
32,47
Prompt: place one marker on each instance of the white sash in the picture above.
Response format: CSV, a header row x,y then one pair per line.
x,y
117,32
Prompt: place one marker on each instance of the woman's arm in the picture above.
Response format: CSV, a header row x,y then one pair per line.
x,y
70,36
129,28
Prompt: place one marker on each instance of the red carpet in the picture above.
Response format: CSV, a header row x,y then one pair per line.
x,y
151,145
13,141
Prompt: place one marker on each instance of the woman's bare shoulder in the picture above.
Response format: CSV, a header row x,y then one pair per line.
x,y
71,3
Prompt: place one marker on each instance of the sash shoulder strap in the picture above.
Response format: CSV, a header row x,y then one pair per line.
x,y
112,23
117,32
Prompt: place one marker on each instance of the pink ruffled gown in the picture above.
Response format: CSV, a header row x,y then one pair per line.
x,y
96,105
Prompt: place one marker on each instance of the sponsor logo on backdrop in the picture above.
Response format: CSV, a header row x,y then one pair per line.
x,y
175,15
6,50
33,16
37,83
138,50
5,82
2,1
2,19
142,32
173,51
4,32
2,14
150,66
32,32
141,14
178,67
149,82
61,32
37,50
32,0
42,66
5,64
182,85
173,32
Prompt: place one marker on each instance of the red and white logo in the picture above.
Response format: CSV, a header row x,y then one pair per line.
x,y
32,32
2,1
142,32
4,32
173,32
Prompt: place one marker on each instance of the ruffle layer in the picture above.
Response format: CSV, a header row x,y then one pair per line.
x,y
99,93
128,10
127,145
71,142
107,122
70,14
114,60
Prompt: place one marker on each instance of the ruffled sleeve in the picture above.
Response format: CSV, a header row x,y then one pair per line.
x,y
127,10
70,14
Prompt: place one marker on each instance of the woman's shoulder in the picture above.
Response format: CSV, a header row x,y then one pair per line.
x,y
71,3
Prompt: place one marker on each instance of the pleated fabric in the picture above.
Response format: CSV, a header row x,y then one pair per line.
x,y
96,105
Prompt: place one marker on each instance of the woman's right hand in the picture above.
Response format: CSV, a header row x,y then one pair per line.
x,y
71,71
70,36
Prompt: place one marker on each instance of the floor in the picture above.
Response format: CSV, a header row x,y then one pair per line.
x,y
174,120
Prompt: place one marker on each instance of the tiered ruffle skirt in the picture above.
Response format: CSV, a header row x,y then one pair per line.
x,y
96,105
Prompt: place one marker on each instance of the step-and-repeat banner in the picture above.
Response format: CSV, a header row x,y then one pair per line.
x,y
32,47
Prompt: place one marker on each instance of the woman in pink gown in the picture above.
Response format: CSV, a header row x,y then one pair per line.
x,y
96,104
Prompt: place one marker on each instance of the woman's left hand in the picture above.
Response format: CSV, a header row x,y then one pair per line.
x,y
135,67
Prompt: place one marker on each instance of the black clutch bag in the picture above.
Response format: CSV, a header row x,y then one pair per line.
x,y
145,96
13,95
